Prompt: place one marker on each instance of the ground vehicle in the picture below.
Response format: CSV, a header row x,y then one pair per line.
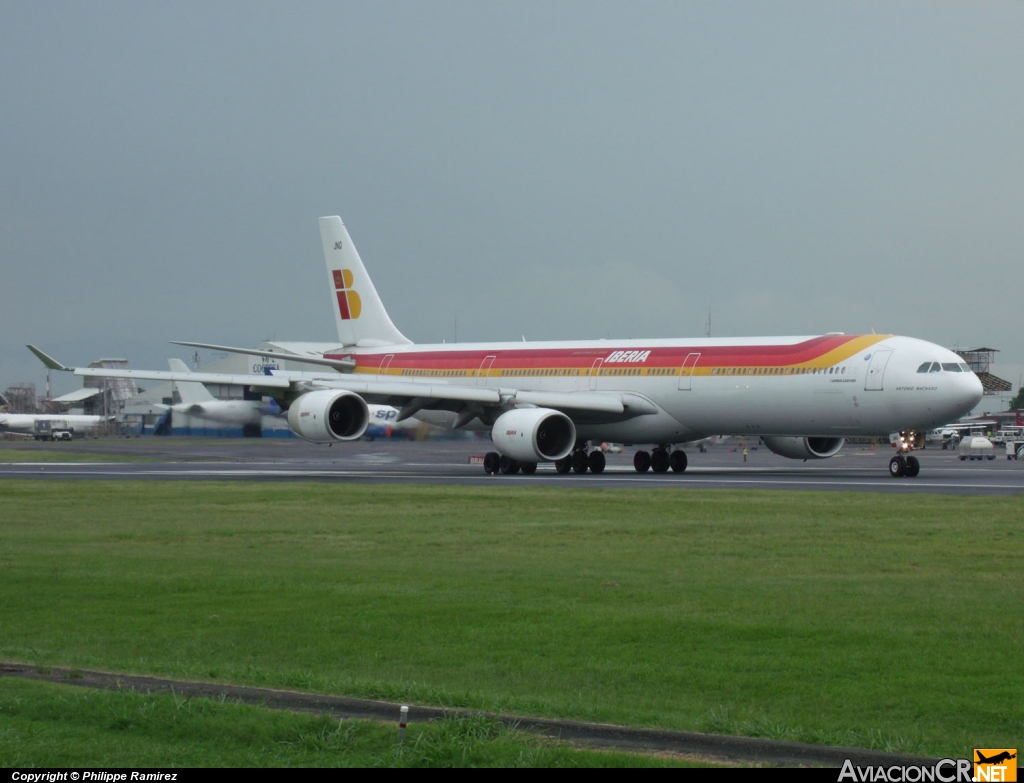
x,y
1014,448
976,447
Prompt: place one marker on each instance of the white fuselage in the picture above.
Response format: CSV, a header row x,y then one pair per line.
x,y
824,386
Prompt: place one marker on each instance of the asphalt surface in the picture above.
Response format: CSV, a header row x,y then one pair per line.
x,y
395,461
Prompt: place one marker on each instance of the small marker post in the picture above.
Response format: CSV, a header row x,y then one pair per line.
x,y
402,721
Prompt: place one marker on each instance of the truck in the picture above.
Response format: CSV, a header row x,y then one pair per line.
x,y
52,429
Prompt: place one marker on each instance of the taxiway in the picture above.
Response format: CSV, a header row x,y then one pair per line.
x,y
858,468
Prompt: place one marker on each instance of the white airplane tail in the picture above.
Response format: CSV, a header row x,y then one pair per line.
x,y
191,392
358,312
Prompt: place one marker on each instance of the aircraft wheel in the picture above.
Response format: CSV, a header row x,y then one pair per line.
x,y
580,462
596,461
913,467
492,462
642,461
563,465
897,467
677,461
509,466
659,461
528,468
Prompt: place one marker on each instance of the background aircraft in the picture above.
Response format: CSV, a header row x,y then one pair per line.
x,y
33,423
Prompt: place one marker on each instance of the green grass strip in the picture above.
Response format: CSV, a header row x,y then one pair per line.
x,y
42,724
852,619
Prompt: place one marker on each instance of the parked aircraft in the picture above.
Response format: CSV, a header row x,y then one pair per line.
x,y
548,401
196,400
28,423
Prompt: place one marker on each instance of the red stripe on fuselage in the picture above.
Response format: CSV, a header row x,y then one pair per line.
x,y
583,358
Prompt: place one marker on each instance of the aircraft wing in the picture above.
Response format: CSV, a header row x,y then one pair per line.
x,y
339,364
411,395
261,381
402,393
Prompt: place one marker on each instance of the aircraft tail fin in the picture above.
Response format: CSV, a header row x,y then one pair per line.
x,y
191,392
358,312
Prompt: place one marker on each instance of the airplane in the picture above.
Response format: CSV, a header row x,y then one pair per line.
x,y
27,423
546,402
996,759
196,400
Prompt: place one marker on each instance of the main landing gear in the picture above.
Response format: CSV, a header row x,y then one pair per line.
x,y
580,461
660,461
496,463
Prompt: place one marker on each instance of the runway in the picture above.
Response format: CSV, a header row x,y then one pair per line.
x,y
393,461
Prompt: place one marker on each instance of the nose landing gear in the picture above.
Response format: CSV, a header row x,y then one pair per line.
x,y
900,466
903,464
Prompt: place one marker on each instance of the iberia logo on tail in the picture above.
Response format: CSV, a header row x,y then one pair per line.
x,y
349,304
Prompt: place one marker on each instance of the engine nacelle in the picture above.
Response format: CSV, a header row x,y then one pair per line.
x,y
804,448
328,415
534,434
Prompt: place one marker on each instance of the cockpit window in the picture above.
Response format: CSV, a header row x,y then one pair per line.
x,y
936,367
924,367
965,367
951,366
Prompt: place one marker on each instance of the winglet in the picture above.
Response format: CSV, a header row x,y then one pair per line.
x,y
49,361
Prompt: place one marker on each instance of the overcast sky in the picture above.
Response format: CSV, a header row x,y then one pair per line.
x,y
557,170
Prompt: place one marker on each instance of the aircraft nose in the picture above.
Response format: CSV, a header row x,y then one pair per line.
x,y
970,391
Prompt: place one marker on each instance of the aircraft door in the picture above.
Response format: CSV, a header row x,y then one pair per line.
x,y
485,369
385,363
595,370
876,369
686,371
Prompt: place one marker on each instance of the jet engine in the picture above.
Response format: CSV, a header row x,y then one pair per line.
x,y
804,448
534,434
328,415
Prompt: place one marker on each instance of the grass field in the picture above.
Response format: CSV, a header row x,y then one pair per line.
x,y
856,619
43,454
42,724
